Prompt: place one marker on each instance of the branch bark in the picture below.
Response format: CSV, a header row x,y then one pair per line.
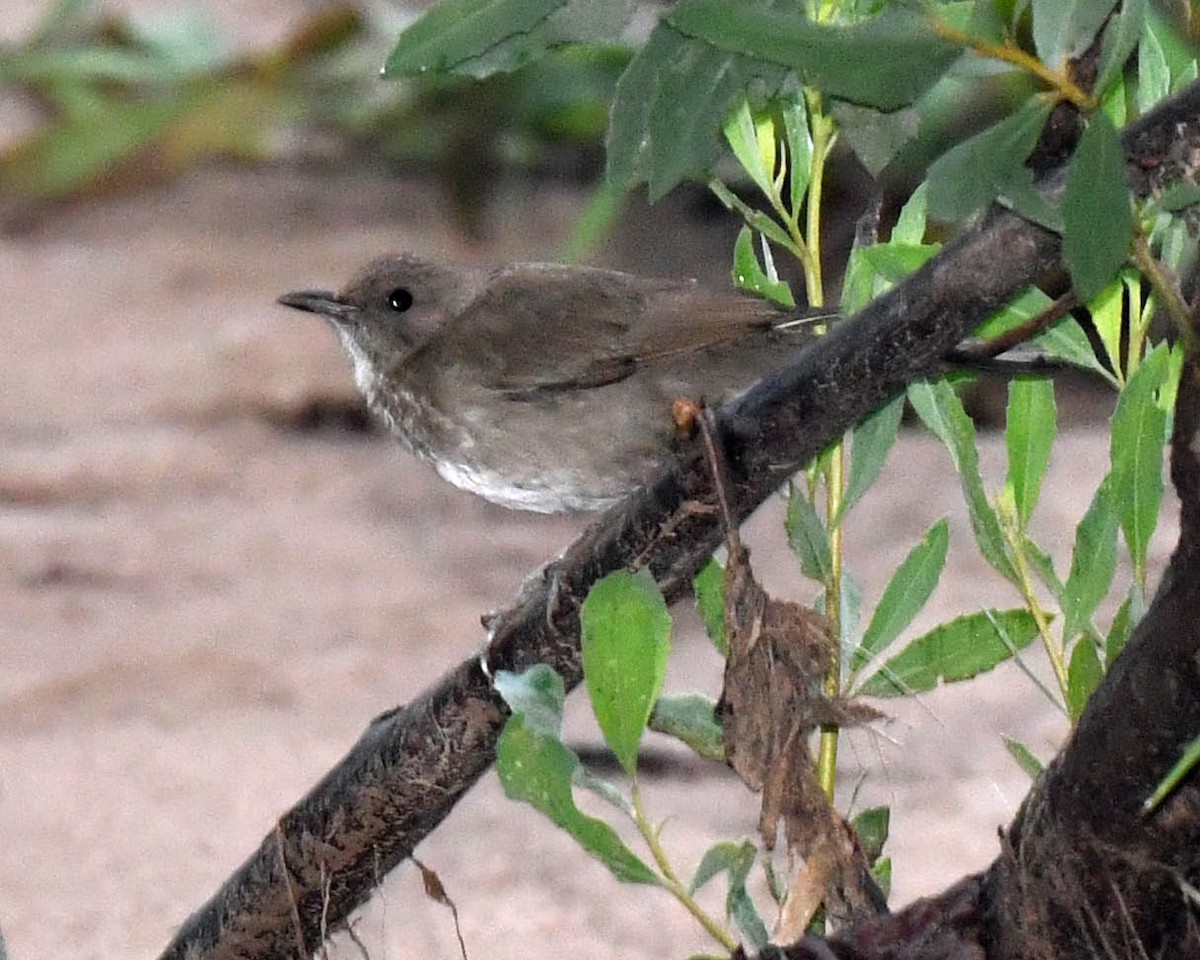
x,y
412,765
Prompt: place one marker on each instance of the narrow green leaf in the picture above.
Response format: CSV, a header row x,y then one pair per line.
x,y
1083,676
1063,29
736,859
625,639
453,35
628,137
1093,561
882,872
871,442
872,826
1043,567
690,98
906,593
1067,341
538,694
799,147
1096,209
1120,38
742,135
1029,431
604,789
724,856
807,536
895,260
988,165
958,650
1024,757
745,914
538,769
477,38
876,136
941,411
748,273
1153,76
910,225
709,587
1118,631
1107,309
692,718
841,61
1138,436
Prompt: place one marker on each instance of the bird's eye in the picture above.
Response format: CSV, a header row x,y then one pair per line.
x,y
400,299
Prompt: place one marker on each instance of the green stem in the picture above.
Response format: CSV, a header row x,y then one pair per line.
x,y
1168,296
671,882
824,135
1029,595
1057,79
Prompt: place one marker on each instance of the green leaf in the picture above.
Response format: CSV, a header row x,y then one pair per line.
x,y
709,587
1083,676
958,650
1138,436
1043,566
1119,630
990,164
896,260
625,639
872,440
1063,29
538,694
723,856
477,38
748,274
1067,341
538,769
744,136
736,859
1093,561
670,105
1029,431
882,872
910,225
1120,38
905,595
1153,76
941,411
840,61
799,147
807,536
1107,309
1024,757
872,826
1096,209
875,136
692,718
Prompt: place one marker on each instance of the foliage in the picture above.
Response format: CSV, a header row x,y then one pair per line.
x,y
752,98
124,96
776,84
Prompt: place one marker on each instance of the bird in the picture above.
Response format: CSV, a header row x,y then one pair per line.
x,y
547,387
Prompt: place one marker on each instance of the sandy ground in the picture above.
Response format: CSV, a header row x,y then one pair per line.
x,y
204,605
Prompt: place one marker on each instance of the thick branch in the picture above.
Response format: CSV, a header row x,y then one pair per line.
x,y
412,766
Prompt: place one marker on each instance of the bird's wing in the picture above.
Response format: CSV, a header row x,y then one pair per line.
x,y
540,328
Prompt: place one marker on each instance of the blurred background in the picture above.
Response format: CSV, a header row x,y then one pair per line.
x,y
214,571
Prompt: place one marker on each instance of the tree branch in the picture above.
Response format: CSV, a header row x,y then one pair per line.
x,y
412,765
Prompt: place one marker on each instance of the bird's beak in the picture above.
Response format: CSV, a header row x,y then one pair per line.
x,y
323,302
